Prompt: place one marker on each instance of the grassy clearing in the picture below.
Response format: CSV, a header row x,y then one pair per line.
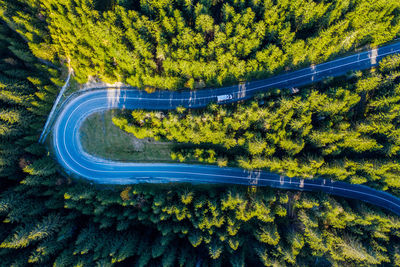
x,y
100,137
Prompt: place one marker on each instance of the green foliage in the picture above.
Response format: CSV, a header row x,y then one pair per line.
x,y
41,167
51,220
175,44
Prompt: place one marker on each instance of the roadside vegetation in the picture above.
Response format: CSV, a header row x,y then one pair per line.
x,y
100,137
47,219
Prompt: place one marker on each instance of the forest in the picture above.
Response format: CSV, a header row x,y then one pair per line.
x,y
50,219
192,44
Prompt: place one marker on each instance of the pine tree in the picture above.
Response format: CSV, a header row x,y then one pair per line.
x,y
42,167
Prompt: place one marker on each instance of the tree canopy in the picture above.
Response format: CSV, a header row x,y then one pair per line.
x,y
48,219
349,132
180,43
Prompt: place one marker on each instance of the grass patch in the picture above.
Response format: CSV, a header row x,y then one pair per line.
x,y
100,137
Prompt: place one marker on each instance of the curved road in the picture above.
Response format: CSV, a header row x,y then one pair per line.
x,y
77,162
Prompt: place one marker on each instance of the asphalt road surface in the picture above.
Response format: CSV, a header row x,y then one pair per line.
x,y
69,152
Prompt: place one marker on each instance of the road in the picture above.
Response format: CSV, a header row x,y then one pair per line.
x,y
76,161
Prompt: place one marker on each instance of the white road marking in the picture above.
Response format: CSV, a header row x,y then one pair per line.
x,y
116,97
373,55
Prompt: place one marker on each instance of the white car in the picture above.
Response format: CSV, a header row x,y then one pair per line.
x,y
224,97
